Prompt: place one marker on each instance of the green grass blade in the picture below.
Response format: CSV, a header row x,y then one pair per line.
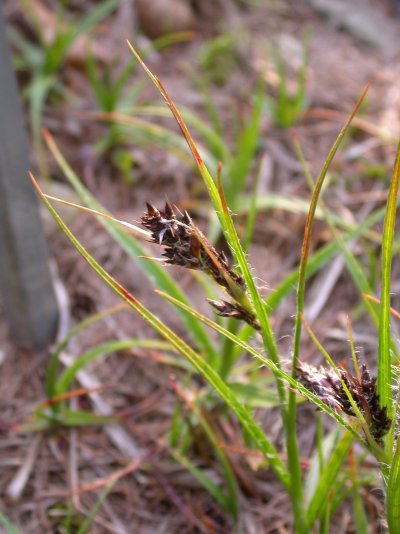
x,y
207,178
384,379
360,519
9,528
231,485
307,234
148,132
84,527
246,145
255,396
158,277
51,371
86,23
37,94
212,488
98,88
82,418
219,204
393,493
328,477
252,211
201,366
212,139
293,454
103,349
296,204
218,200
319,459
259,308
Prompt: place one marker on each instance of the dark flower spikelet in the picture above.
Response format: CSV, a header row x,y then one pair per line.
x,y
326,385
186,246
235,310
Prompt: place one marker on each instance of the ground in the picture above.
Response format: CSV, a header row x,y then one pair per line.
x,y
350,43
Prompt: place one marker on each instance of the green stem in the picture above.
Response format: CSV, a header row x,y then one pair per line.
x,y
228,355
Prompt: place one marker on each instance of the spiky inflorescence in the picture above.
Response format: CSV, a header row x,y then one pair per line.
x,y
327,386
186,246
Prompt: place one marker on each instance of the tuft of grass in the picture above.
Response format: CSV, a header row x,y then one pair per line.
x,y
289,102
45,59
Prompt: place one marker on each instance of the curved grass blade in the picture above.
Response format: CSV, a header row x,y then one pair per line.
x,y
80,418
314,264
157,275
51,371
151,133
354,267
208,180
307,235
103,349
293,454
201,366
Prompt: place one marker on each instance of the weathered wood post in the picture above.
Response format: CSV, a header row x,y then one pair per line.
x,y
26,290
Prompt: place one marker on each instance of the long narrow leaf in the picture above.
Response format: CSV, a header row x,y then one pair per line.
x,y
51,371
393,493
384,380
69,374
307,233
293,454
328,477
245,149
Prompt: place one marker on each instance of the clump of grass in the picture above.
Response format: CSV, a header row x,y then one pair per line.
x,y
362,406
45,59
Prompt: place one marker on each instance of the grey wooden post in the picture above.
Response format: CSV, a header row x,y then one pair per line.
x,y
26,290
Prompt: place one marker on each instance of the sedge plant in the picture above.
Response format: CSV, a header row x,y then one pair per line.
x,y
364,407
